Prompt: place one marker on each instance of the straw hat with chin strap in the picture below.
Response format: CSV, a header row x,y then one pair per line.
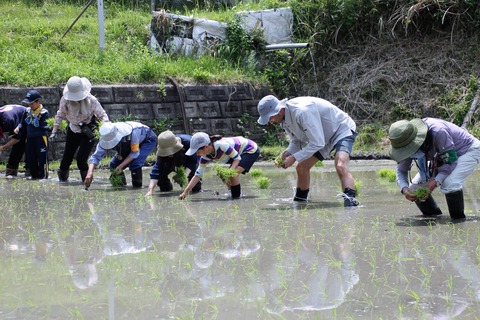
x,y
406,137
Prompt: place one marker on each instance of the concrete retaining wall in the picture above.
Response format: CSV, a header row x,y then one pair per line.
x,y
219,109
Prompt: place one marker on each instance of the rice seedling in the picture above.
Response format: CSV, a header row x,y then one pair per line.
x,y
96,130
117,180
180,177
279,161
225,173
263,182
63,125
422,193
389,174
256,173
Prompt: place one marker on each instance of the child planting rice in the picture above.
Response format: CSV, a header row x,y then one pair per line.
x,y
240,153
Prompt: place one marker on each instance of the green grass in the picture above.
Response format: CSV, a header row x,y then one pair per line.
x,y
34,53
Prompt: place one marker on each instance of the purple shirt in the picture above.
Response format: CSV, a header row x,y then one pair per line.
x,y
445,136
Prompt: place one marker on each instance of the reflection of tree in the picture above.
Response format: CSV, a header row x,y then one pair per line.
x,y
306,272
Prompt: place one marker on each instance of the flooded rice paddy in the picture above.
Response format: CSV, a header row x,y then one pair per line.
x,y
106,253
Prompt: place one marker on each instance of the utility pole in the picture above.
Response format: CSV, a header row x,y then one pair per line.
x,y
101,29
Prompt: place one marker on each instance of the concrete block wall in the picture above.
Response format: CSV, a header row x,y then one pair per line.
x,y
215,109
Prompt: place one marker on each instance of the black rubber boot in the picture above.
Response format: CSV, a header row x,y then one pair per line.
x,y
11,172
236,191
137,178
63,175
165,185
83,174
349,199
198,187
301,195
456,206
429,207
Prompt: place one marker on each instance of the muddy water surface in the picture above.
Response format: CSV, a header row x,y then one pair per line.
x,y
106,253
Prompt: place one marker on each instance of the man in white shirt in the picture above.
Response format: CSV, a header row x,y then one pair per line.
x,y
315,127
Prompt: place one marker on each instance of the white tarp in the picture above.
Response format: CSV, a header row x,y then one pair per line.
x,y
276,23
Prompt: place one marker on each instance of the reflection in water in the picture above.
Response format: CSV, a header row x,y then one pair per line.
x,y
308,273
113,253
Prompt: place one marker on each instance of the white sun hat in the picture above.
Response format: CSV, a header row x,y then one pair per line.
x,y
77,89
112,132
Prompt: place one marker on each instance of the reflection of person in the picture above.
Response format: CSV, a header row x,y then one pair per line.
x,y
10,117
34,122
321,127
171,150
82,110
306,269
446,155
239,152
132,141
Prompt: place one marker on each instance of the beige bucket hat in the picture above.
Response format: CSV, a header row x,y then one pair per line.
x,y
168,144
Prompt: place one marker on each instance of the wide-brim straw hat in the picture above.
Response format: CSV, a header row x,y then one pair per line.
x,y
168,144
111,133
77,89
406,137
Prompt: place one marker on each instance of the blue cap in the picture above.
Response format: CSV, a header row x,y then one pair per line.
x,y
32,96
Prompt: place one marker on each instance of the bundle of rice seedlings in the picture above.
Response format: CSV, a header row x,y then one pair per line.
x,y
279,161
256,173
117,180
225,173
63,125
180,177
422,193
263,182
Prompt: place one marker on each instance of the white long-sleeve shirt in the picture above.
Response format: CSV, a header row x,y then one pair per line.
x,y
314,124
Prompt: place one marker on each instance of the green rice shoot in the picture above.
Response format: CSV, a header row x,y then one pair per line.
x,y
63,125
422,193
180,177
255,173
263,182
388,174
279,161
96,130
116,180
225,173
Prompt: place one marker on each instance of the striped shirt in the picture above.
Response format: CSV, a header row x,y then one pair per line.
x,y
227,149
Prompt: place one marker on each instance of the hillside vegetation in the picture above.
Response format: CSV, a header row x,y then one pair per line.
x,y
380,60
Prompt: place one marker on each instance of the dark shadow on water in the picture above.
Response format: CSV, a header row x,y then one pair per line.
x,y
221,198
422,221
303,206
